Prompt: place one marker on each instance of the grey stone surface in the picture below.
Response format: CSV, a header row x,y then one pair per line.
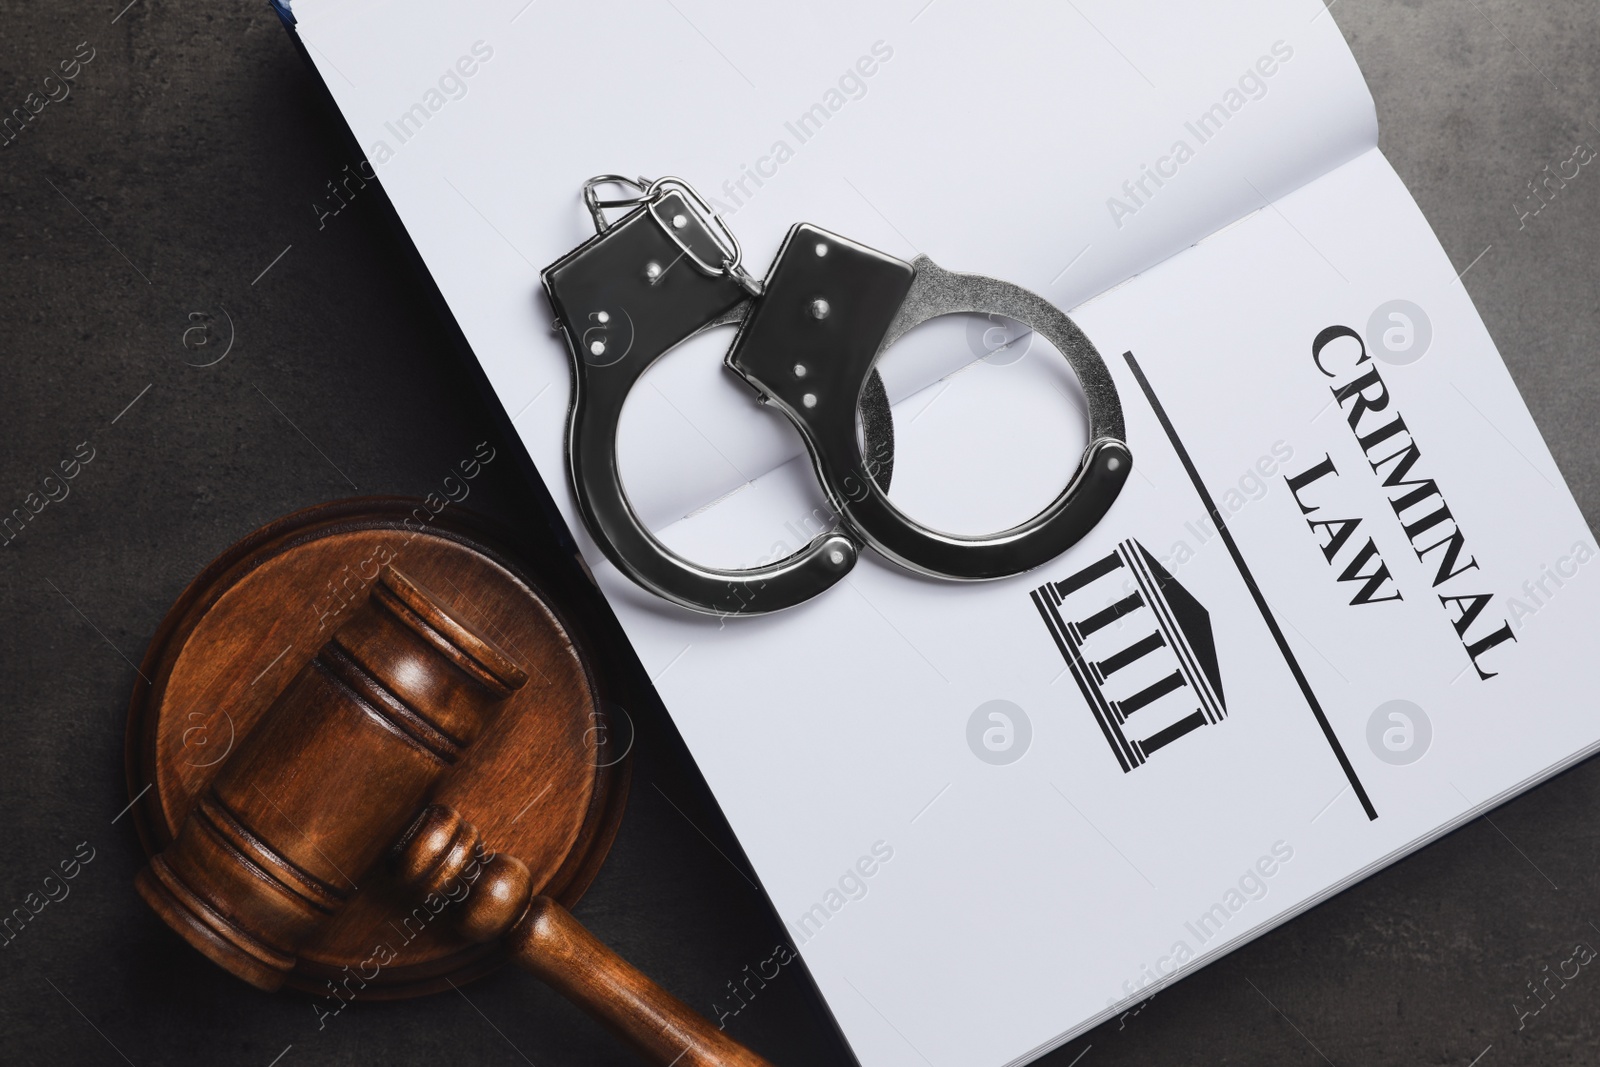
x,y
187,159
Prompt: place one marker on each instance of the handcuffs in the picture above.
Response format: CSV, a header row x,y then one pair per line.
x,y
809,337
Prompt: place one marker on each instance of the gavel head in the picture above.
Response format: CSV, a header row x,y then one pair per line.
x,y
327,780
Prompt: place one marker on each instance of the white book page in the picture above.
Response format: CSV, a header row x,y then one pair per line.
x,y
1060,887
846,739
991,137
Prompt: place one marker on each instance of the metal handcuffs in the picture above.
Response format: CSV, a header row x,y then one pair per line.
x,y
808,339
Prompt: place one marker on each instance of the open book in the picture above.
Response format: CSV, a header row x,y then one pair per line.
x,y
1340,607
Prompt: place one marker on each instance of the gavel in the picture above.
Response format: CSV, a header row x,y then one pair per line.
x,y
336,779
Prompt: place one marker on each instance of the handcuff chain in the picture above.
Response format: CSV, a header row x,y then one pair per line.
x,y
650,193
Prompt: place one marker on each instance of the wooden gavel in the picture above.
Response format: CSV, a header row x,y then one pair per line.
x,y
337,775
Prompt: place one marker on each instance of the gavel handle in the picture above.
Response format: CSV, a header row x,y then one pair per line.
x,y
553,945
442,852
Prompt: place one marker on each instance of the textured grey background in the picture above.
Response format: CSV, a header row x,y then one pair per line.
x,y
188,157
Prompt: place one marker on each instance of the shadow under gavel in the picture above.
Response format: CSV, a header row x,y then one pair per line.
x,y
336,777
